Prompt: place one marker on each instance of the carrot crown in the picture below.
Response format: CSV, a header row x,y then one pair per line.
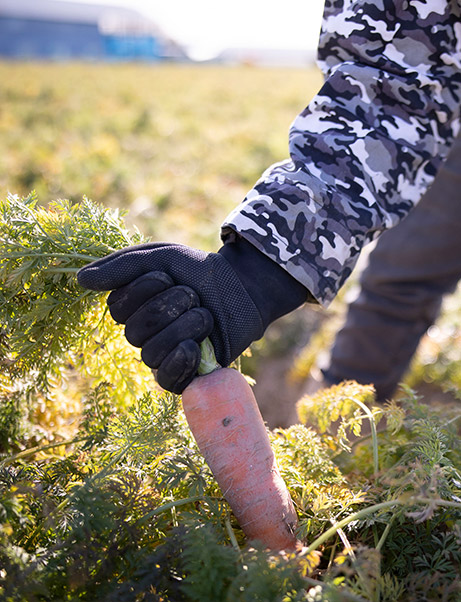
x,y
208,363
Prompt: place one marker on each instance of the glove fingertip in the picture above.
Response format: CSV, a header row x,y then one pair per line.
x,y
180,367
98,276
86,277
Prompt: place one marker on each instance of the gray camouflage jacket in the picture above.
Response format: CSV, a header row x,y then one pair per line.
x,y
368,145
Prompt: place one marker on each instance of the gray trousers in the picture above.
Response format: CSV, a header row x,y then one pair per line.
x,y
409,271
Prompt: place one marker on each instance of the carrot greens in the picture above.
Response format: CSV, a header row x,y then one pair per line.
x,y
105,496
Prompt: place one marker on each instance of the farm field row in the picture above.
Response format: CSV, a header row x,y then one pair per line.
x,y
179,146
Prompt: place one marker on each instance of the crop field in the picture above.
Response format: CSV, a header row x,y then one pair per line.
x,y
104,494
179,146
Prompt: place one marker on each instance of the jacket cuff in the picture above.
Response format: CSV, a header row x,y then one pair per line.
x,y
312,245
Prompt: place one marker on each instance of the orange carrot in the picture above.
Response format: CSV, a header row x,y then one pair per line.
x,y
226,422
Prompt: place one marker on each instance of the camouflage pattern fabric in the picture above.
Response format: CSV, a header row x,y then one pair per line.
x,y
368,145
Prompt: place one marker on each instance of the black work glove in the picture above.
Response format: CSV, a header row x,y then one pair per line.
x,y
170,297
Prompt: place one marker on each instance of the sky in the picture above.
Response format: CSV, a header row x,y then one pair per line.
x,y
205,27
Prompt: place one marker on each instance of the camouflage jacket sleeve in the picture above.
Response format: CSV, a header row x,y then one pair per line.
x,y
368,145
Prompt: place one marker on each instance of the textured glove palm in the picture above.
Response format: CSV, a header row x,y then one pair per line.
x,y
170,297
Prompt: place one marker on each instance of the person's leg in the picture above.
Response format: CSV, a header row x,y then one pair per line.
x,y
411,268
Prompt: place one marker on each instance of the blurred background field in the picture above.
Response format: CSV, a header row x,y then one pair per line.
x,y
178,146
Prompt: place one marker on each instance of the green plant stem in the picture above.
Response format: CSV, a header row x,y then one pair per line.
x,y
375,534
62,270
374,435
230,532
332,555
454,419
24,254
385,533
360,440
377,583
369,510
40,448
170,505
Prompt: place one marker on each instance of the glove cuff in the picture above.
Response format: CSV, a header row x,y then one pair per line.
x,y
272,289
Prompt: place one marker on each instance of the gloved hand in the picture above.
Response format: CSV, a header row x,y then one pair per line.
x,y
170,297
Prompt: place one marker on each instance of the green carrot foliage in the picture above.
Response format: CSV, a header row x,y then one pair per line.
x,y
125,508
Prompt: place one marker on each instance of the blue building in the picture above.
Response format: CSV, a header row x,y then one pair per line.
x,y
52,30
